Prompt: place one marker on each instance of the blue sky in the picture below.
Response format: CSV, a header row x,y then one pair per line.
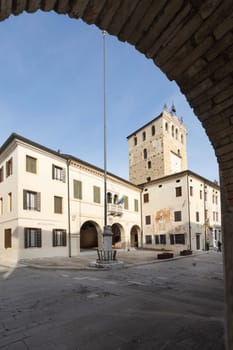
x,y
51,91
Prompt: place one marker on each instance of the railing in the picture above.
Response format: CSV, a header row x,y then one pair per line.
x,y
115,210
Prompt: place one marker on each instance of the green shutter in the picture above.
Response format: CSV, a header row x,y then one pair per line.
x,y
126,202
96,194
77,188
135,205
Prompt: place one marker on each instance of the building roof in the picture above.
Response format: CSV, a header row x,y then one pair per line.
x,y
182,173
15,136
142,127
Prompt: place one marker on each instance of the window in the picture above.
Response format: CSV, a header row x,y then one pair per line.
x,y
213,215
197,216
146,197
160,239
115,199
145,153
206,214
135,204
32,238
143,136
96,194
205,196
8,236
109,197
177,238
148,239
166,126
216,199
9,167
57,205
172,130
77,188
177,216
178,191
135,141
176,134
200,194
31,164
1,174
58,173
126,202
9,202
59,238
149,164
31,200
216,216
148,220
182,138
191,190
1,206
153,130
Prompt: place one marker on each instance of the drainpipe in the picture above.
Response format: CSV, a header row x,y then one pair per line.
x,y
189,224
68,206
141,218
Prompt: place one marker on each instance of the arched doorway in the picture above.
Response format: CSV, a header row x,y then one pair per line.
x,y
117,236
89,235
134,236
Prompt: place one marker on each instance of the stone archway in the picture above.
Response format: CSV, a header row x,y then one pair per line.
x,y
134,236
89,235
192,43
117,233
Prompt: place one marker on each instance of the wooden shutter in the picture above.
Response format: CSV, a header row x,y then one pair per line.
x,y
38,201
24,199
64,238
54,238
8,238
126,202
38,238
53,171
25,238
63,175
77,187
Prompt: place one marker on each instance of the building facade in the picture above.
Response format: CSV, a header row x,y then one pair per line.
x,y
180,209
53,204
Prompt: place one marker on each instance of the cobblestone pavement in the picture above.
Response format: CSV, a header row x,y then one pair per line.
x,y
172,305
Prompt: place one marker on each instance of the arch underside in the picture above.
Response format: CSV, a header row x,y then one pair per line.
x,y
192,43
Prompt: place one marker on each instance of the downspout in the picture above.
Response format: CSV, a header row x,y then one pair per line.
x,y
141,218
189,224
68,207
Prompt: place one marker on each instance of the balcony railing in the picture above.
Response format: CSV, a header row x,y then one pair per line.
x,y
115,209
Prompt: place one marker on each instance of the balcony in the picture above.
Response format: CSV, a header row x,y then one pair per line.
x,y
115,209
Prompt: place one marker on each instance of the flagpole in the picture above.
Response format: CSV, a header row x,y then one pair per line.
x,y
105,133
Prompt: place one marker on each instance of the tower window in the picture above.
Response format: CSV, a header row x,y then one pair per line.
x,y
166,126
153,130
149,164
182,138
145,153
172,130
176,134
143,136
135,141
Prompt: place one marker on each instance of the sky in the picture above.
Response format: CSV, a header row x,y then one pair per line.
x,y
51,92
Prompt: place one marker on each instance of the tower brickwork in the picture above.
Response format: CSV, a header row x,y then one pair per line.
x,y
158,148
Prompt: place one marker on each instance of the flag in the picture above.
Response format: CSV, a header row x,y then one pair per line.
x,y
121,201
